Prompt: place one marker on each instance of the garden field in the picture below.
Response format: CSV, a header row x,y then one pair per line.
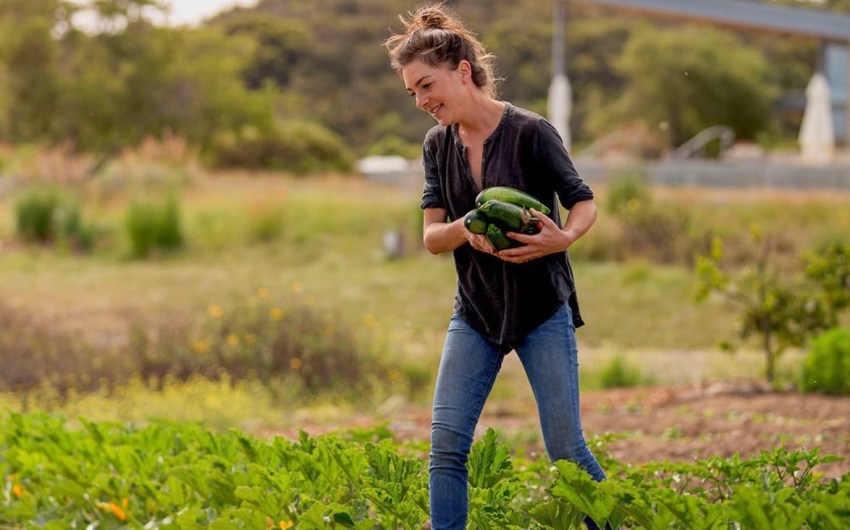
x,y
274,365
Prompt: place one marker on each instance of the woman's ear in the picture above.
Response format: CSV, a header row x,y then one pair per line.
x,y
465,70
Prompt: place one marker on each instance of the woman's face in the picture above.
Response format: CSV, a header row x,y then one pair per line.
x,y
437,90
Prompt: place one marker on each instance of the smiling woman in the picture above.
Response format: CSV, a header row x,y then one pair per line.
x,y
518,299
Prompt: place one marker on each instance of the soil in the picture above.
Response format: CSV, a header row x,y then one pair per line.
x,y
675,424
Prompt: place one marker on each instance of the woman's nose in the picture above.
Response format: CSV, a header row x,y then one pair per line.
x,y
421,100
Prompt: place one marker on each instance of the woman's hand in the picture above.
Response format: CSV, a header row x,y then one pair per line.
x,y
550,240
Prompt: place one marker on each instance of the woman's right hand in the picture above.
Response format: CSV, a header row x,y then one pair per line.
x,y
479,242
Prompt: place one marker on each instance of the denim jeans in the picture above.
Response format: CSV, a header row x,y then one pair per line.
x,y
468,369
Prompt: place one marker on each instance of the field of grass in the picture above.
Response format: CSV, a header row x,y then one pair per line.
x,y
320,241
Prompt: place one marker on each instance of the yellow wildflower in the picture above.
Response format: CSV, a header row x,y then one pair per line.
x,y
214,311
370,321
232,340
296,364
276,313
296,287
18,490
262,292
200,347
285,525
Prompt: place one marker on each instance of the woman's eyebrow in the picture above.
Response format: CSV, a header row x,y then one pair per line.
x,y
419,82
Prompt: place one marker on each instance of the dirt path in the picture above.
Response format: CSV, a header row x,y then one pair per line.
x,y
662,423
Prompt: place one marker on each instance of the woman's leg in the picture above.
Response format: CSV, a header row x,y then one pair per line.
x,y
549,355
468,368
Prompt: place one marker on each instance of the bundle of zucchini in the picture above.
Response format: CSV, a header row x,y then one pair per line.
x,y
503,209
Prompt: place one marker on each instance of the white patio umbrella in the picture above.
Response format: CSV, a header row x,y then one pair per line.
x,y
817,138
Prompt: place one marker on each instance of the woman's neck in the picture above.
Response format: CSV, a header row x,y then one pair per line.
x,y
482,117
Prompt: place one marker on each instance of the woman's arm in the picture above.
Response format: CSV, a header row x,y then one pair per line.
x,y
442,236
439,235
552,238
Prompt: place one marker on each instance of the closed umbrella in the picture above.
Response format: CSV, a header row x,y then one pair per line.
x,y
817,138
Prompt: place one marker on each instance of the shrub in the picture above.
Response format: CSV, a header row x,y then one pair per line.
x,y
627,190
45,216
295,146
826,367
663,232
35,215
154,226
618,373
271,341
36,354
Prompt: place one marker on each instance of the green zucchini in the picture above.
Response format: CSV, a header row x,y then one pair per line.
x,y
511,217
476,221
511,195
496,236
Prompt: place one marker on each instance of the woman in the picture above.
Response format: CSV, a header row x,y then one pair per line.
x,y
520,299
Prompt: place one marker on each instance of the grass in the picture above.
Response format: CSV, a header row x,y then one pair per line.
x,y
322,239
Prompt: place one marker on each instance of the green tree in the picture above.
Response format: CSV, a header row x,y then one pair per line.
x,y
782,309
685,84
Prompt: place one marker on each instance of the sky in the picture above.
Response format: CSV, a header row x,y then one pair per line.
x,y
192,12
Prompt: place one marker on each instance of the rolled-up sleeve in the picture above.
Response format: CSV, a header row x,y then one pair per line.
x,y
432,193
559,167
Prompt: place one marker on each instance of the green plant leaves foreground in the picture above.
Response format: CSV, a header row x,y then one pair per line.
x,y
182,476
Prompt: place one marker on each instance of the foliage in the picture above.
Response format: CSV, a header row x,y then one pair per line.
x,y
712,80
782,310
661,231
154,226
181,476
108,85
288,346
619,373
47,215
296,147
826,367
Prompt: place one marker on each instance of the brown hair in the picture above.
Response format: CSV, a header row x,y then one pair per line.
x,y
437,37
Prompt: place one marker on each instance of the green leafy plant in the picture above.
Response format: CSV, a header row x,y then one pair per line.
x,y
154,226
183,476
826,367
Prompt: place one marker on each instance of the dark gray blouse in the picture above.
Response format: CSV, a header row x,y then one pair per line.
x,y
505,301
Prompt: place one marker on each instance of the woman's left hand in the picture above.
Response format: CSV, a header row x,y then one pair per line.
x,y
549,240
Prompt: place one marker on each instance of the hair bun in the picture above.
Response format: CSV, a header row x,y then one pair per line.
x,y
430,18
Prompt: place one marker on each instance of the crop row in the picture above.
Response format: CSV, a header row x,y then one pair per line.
x,y
56,475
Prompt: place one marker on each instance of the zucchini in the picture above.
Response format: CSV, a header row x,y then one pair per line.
x,y
511,195
511,217
476,221
496,236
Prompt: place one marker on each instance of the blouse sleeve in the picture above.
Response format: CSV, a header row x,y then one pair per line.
x,y
432,193
559,168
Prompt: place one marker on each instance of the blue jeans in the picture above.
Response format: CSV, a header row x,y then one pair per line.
x,y
468,369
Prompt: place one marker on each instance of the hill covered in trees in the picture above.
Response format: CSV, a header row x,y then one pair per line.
x,y
306,85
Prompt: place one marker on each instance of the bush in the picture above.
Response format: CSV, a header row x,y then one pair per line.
x,y
627,189
826,367
295,146
38,355
154,226
45,216
280,343
618,373
663,232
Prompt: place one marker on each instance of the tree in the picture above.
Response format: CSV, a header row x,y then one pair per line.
x,y
783,310
684,84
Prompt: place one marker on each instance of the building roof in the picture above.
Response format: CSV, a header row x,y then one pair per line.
x,y
748,14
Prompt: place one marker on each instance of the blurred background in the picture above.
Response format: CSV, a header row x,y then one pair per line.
x,y
212,215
